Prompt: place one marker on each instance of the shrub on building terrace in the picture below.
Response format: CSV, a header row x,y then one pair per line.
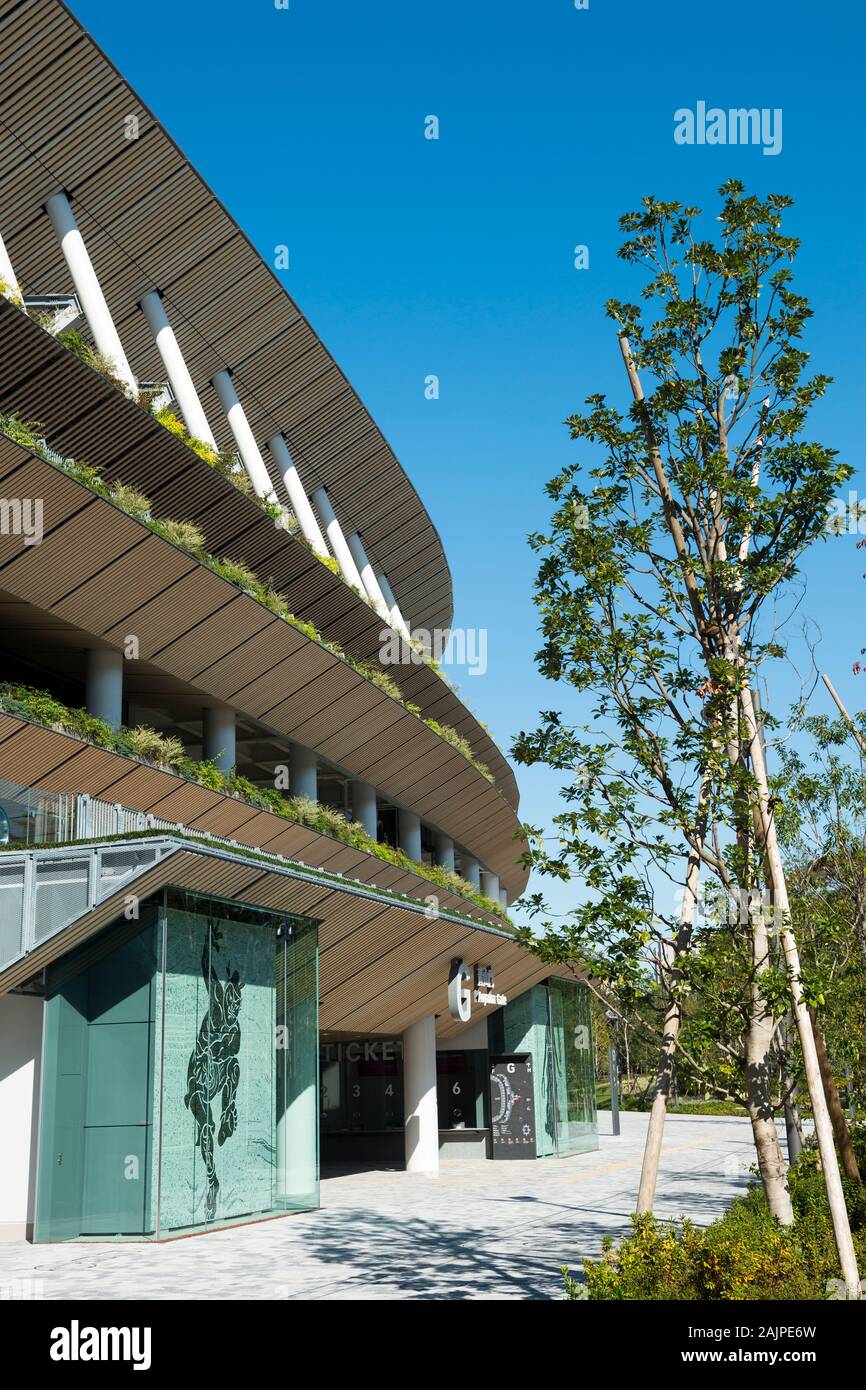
x,y
188,537
166,752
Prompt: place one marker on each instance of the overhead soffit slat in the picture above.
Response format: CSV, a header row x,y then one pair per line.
x,y
59,763
96,422
73,112
351,929
180,632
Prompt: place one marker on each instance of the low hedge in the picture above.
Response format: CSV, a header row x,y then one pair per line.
x,y
746,1254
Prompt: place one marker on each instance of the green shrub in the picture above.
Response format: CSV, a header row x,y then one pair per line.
x,y
203,449
38,707
462,745
170,422
746,1254
12,293
131,501
206,774
379,678
155,747
184,534
76,343
236,572
25,432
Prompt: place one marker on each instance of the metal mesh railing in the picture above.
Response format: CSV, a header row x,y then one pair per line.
x,y
42,891
30,816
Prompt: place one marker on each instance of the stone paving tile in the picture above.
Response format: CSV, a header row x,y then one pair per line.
x,y
478,1231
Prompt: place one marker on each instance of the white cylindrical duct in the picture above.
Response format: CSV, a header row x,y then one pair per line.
x,y
490,885
409,834
219,738
7,275
364,807
471,871
88,289
244,438
445,851
304,777
368,578
397,620
103,695
176,368
297,494
337,541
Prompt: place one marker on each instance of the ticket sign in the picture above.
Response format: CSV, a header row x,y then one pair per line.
x,y
512,1105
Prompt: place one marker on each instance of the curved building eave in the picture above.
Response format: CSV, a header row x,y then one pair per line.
x,y
149,219
102,572
85,417
60,763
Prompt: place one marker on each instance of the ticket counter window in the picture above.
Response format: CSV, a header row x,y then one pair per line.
x,y
461,1086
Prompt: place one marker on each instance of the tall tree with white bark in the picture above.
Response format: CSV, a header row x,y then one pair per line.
x,y
669,542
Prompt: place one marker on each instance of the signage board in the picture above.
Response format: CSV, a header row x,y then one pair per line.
x,y
512,1105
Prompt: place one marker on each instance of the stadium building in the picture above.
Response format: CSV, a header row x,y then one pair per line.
x,y
254,877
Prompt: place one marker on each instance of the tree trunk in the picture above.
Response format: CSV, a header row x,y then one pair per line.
x,y
823,1125
771,1164
759,1047
673,1019
653,1144
793,1125
834,1105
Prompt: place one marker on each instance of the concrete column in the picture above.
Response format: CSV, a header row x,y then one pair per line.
x,y
297,494
445,851
297,1077
88,288
219,736
243,436
303,779
176,369
471,871
368,578
503,898
419,1096
337,541
409,834
490,885
364,807
397,620
104,688
7,274
21,1050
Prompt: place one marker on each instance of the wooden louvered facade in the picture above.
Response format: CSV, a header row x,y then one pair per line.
x,y
150,221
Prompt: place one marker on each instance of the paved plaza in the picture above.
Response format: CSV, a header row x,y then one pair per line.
x,y
478,1231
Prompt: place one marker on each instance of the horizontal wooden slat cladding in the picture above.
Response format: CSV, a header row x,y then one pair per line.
x,y
56,762
85,417
97,569
382,967
150,220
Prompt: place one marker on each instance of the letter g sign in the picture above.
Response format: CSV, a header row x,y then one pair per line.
x,y
459,999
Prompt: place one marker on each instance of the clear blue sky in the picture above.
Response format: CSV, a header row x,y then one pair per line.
x,y
454,256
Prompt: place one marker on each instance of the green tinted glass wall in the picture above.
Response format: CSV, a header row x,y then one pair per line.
x,y
180,1073
552,1022
99,1052
572,1059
